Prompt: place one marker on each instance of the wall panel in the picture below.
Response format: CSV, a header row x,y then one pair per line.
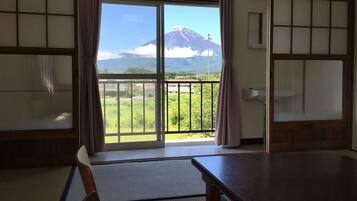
x,y
32,30
310,110
8,30
38,83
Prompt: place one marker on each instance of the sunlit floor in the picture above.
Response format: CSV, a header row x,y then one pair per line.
x,y
171,137
171,152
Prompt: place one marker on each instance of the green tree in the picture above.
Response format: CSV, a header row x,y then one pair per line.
x,y
138,71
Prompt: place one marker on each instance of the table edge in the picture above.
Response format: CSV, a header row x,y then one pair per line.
x,y
205,172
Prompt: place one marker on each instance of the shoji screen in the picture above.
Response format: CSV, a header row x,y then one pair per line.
x,y
310,74
35,92
37,23
38,81
310,27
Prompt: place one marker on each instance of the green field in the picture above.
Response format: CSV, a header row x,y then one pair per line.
x,y
137,114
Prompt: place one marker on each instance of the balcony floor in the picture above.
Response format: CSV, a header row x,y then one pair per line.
x,y
170,152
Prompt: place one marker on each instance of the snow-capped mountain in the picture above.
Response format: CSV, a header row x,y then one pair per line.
x,y
185,51
183,37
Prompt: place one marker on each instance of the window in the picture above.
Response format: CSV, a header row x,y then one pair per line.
x,y
159,68
128,39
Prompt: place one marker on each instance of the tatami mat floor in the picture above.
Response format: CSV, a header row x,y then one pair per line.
x,y
171,153
47,184
35,184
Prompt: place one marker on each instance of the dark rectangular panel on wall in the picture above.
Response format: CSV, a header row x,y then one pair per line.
x,y
39,88
311,74
309,136
38,150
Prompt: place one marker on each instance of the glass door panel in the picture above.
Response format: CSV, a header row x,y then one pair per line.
x,y
307,90
130,75
35,92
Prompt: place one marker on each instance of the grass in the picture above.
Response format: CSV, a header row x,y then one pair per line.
x,y
131,119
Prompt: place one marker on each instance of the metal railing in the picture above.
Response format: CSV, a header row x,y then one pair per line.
x,y
130,107
201,118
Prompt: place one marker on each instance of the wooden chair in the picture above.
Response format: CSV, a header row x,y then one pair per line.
x,y
85,170
93,196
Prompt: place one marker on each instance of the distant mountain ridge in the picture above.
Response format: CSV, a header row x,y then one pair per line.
x,y
185,51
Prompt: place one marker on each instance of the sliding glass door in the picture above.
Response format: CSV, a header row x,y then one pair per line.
x,y
131,75
140,103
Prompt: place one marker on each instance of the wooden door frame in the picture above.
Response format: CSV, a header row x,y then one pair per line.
x,y
348,79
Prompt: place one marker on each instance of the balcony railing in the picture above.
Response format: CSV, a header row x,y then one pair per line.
x,y
130,109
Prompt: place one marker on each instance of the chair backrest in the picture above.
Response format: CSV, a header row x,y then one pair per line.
x,y
93,196
85,170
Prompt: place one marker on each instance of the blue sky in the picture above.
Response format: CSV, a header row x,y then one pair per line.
x,y
203,20
125,27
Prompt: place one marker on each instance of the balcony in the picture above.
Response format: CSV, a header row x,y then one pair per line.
x,y
133,111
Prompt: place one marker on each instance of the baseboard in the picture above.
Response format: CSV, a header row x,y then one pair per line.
x,y
252,141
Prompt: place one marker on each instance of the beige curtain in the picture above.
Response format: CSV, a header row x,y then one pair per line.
x,y
91,120
228,121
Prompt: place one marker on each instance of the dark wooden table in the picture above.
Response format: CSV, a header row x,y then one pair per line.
x,y
309,176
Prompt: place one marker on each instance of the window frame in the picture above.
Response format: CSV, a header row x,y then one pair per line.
x,y
159,76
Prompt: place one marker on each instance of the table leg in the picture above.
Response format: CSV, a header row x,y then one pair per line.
x,y
212,193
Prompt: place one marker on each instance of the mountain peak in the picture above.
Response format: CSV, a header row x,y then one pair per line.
x,y
184,37
185,33
178,28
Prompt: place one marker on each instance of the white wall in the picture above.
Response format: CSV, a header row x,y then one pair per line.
x,y
248,66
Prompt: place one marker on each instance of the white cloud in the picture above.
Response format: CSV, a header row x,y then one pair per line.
x,y
149,51
104,55
146,51
176,52
180,52
207,53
